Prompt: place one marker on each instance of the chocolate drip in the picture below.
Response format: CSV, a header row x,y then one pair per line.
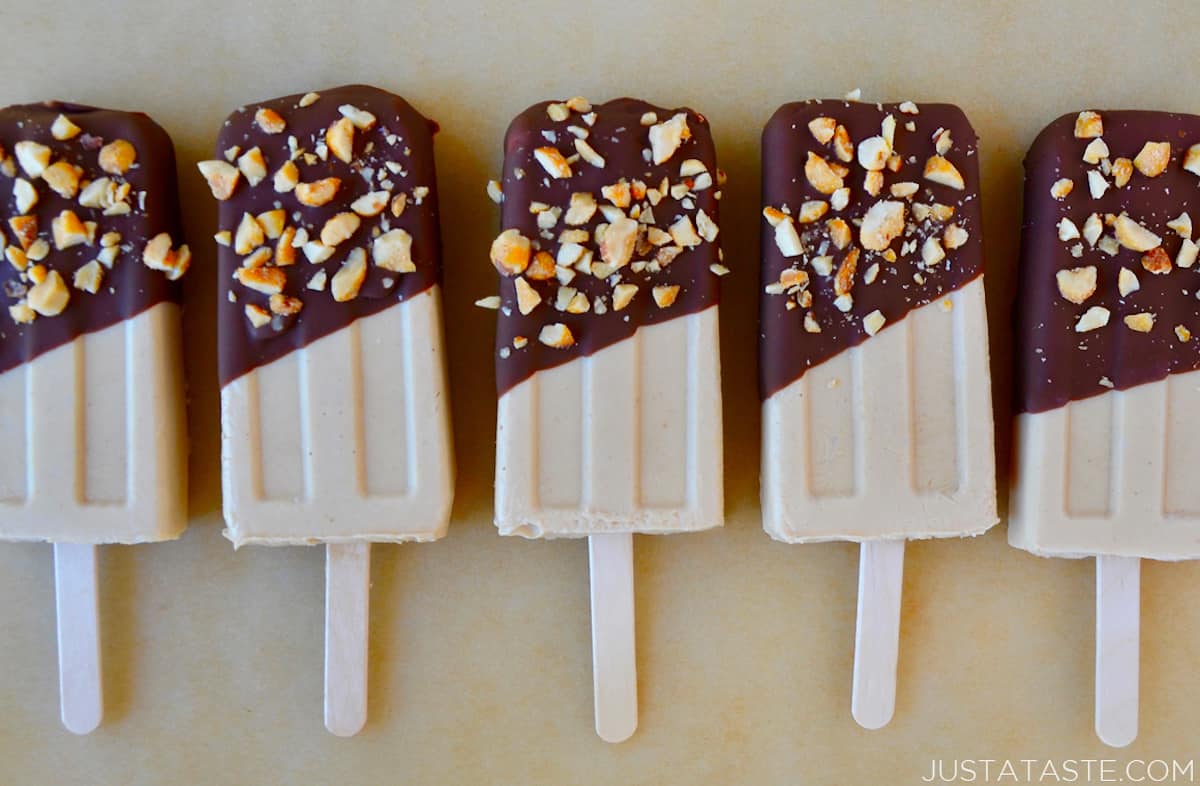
x,y
786,349
129,288
402,137
1055,364
619,136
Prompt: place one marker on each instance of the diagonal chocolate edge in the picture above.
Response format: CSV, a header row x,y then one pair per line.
x,y
1059,355
392,158
150,206
619,132
788,342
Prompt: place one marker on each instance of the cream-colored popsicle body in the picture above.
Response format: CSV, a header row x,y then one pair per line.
x,y
95,437
890,439
625,440
345,440
1112,474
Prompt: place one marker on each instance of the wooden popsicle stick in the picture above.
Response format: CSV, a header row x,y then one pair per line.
x,y
877,633
77,604
1118,630
614,655
347,617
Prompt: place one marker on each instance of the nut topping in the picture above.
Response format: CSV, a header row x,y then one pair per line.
x,y
372,204
1077,284
940,170
1142,323
664,296
873,153
25,229
267,280
666,137
68,231
1122,170
117,157
339,138
253,166
617,245
821,175
222,177
1088,125
822,128
843,148
556,335
33,157
882,224
319,193
249,235
1095,317
258,316
1062,188
350,276
553,162
1127,282
511,252
269,121
63,129
1191,160
393,251
63,179
339,228
527,297
873,322
1153,158
1157,261
1133,235
49,296
24,195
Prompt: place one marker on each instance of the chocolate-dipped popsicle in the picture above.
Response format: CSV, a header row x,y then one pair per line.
x,y
877,420
91,373
335,420
1106,367
607,357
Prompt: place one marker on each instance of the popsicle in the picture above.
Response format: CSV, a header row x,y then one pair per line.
x,y
607,358
1106,367
91,373
335,421
877,420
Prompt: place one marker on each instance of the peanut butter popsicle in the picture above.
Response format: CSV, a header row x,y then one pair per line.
x,y
607,357
91,375
335,419
877,419
1107,367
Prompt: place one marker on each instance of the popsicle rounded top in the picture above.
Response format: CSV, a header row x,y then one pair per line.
x,y
870,211
1106,298
328,214
91,229
609,222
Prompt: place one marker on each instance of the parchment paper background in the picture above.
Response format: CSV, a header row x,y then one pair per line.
x,y
480,660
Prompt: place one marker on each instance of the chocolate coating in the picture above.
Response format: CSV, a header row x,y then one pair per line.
x,y
786,349
130,287
620,138
401,136
1054,363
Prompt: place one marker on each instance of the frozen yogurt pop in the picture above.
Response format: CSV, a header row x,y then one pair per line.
x,y
1106,367
877,419
91,373
334,414
607,364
